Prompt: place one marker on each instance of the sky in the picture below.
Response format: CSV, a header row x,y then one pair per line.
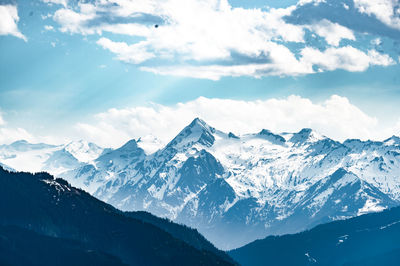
x,y
111,70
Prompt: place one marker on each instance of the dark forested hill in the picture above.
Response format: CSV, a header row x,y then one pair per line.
x,y
40,211
371,239
182,232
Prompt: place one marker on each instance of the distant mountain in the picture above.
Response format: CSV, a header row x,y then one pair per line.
x,y
238,188
371,239
40,214
24,156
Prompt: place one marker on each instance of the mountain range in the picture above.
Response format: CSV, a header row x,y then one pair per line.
x,y
233,188
24,156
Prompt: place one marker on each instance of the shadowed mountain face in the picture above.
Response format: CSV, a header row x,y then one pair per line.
x,y
235,189
371,239
44,211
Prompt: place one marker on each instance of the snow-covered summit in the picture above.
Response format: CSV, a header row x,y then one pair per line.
x,y
197,131
84,151
305,135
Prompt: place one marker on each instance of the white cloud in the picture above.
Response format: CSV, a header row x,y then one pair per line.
x,y
387,11
57,2
315,2
8,21
283,62
205,39
347,58
194,30
48,27
332,32
10,134
72,21
335,117
135,53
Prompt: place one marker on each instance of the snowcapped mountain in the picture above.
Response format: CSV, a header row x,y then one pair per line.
x,y
24,156
235,189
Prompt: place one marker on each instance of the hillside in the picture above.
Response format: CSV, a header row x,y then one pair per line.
x,y
370,239
49,210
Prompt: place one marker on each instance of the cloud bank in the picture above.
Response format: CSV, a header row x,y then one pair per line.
x,y
335,117
211,39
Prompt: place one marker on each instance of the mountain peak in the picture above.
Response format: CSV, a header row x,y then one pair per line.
x,y
393,140
19,142
232,136
305,135
265,132
197,131
274,138
305,131
130,145
83,150
198,122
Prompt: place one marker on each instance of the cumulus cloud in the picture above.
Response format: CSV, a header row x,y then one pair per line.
x,y
280,62
335,117
8,21
332,32
347,58
56,2
387,11
135,53
205,39
284,63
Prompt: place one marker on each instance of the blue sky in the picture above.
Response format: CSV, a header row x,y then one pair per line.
x,y
65,64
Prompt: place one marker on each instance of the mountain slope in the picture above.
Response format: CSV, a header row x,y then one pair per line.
x,y
25,247
370,239
256,184
51,207
182,232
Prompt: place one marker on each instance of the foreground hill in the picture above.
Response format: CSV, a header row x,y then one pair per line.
x,y
40,211
371,239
